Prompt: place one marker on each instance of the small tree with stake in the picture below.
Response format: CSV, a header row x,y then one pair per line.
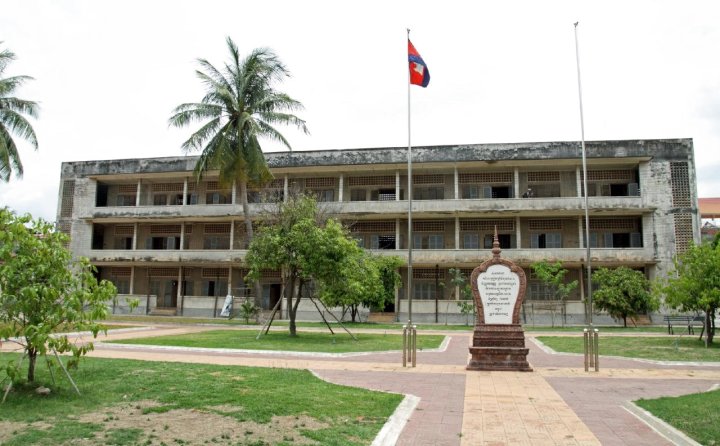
x,y
43,291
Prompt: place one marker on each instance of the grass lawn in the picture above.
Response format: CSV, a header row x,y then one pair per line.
x,y
666,348
239,321
128,402
603,329
696,415
280,341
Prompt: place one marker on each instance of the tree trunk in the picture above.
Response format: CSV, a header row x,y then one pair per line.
x,y
353,312
32,356
709,318
624,320
290,293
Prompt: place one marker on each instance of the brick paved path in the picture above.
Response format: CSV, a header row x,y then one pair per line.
x,y
557,404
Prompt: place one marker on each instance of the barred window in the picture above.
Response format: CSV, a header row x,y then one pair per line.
x,y
428,226
429,179
485,177
384,180
544,225
543,177
505,224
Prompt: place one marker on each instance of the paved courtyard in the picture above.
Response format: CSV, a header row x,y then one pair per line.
x,y
556,404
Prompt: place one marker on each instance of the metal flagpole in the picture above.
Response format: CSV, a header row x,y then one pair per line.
x,y
588,305
410,196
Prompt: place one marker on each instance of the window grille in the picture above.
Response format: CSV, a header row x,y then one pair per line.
x,y
163,272
270,274
127,188
211,273
120,272
485,178
598,224
428,226
192,185
320,182
124,230
610,175
217,228
543,177
545,225
68,198
165,229
428,273
64,227
429,179
506,224
167,187
216,186
680,181
383,180
373,227
683,232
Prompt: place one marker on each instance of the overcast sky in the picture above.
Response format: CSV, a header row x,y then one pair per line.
x,y
108,73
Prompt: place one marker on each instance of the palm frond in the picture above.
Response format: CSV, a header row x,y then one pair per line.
x,y
16,105
9,84
203,134
16,124
9,157
185,114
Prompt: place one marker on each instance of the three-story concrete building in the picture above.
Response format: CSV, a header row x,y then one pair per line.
x,y
178,244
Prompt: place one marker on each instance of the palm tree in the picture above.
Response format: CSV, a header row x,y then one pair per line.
x,y
12,121
240,107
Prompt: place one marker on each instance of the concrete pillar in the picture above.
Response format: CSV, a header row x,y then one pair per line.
x,y
516,183
139,191
397,185
578,181
232,235
581,233
233,198
341,188
135,236
456,182
185,192
286,188
182,236
397,233
518,235
179,288
457,227
132,280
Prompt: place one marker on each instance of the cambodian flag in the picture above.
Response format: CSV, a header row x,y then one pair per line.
x,y
419,74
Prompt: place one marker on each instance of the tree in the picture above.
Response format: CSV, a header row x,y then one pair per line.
x,y
240,107
12,121
368,280
694,283
623,293
42,289
305,245
553,275
465,302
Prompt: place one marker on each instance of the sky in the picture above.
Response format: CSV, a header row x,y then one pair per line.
x,y
108,73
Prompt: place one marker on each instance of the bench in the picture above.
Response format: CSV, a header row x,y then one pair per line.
x,y
687,321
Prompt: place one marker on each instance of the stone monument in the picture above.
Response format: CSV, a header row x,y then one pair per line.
x,y
498,289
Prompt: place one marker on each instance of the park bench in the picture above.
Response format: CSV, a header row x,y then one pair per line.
x,y
687,321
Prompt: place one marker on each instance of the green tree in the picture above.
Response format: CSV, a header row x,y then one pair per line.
x,y
465,303
305,245
12,121
694,283
623,293
241,106
42,290
367,280
553,275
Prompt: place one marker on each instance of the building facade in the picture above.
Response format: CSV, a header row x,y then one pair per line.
x,y
178,245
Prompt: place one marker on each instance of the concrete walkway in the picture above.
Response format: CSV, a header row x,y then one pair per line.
x,y
557,404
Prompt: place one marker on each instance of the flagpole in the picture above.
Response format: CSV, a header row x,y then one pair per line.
x,y
588,305
410,195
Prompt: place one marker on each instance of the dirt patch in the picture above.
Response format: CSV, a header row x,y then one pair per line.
x,y
195,427
9,428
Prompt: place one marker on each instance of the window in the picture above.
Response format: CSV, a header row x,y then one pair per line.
x,y
429,193
506,241
499,192
214,287
325,195
188,288
125,200
548,240
424,290
428,241
163,243
360,240
470,192
216,198
615,240
122,285
382,242
159,200
357,194
216,242
540,291
123,242
471,241
383,195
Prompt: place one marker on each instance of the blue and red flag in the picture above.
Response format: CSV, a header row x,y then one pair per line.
x,y
419,74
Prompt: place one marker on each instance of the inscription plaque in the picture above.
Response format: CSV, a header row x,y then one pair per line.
x,y
499,288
